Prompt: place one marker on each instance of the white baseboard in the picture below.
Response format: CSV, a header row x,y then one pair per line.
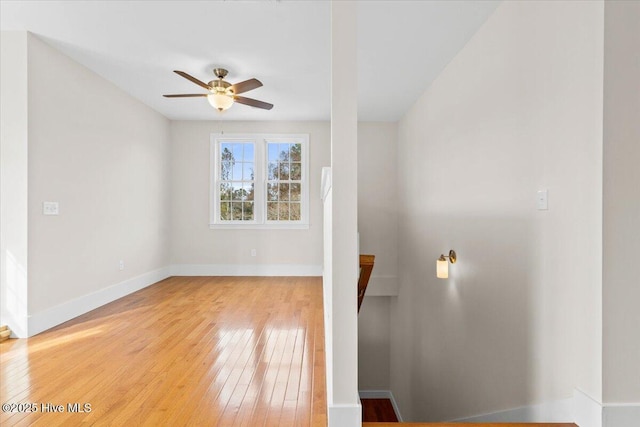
x,y
381,394
621,415
587,411
54,316
580,409
344,415
245,270
557,411
374,394
17,323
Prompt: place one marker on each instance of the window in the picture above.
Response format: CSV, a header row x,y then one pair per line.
x,y
259,181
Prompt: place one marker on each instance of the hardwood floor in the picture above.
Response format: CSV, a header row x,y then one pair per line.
x,y
205,351
378,411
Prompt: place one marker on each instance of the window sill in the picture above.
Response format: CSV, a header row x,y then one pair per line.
x,y
259,226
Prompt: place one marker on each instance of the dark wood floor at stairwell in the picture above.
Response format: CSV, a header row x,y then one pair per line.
x,y
378,411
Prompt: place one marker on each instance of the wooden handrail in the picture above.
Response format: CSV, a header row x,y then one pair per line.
x,y
366,266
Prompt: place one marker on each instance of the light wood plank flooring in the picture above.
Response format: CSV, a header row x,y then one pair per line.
x,y
200,351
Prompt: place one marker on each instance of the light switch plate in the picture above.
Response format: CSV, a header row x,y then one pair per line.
x,y
50,208
543,200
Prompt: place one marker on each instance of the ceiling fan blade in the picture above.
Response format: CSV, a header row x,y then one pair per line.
x,y
253,102
185,95
193,79
246,86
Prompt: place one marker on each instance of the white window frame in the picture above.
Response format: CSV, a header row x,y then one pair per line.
x,y
260,141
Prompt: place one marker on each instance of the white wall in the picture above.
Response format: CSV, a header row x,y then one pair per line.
x,y
621,275
13,181
374,344
519,321
378,203
377,228
194,243
104,156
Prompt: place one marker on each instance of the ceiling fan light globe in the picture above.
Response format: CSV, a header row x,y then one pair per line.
x,y
220,101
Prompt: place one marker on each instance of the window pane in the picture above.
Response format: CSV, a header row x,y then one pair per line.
x,y
295,211
237,171
272,211
284,170
225,171
296,171
247,211
283,211
248,152
296,152
225,211
272,192
295,192
273,171
237,152
225,146
273,152
225,191
236,191
284,152
247,171
248,191
227,161
236,211
284,192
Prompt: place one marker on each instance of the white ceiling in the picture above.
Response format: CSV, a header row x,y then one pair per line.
x,y
402,47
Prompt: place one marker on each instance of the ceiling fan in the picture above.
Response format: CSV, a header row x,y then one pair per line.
x,y
222,94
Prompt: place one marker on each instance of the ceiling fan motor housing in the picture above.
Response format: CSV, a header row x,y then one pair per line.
x,y
220,86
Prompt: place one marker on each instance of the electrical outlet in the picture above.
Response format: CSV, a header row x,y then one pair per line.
x,y
121,264
50,208
254,252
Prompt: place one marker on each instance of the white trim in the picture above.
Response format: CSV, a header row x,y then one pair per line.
x,y
344,415
382,394
621,415
581,409
621,405
552,412
267,226
215,165
325,182
374,394
39,322
303,140
260,143
245,270
587,411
